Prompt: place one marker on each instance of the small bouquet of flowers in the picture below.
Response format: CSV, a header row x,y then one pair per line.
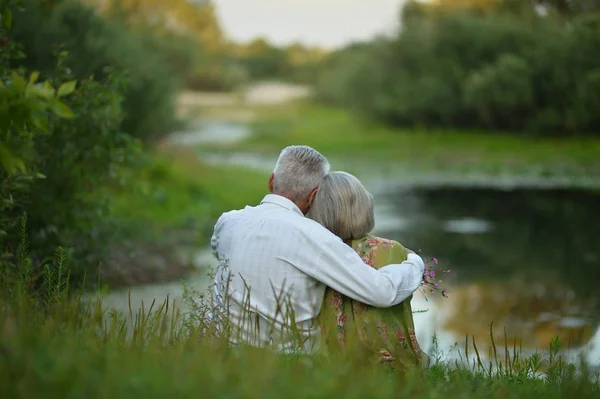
x,y
431,278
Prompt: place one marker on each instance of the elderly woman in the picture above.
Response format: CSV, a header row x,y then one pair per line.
x,y
345,208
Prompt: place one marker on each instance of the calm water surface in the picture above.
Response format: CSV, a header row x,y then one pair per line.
x,y
526,260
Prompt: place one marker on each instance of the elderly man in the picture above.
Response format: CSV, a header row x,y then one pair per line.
x,y
274,264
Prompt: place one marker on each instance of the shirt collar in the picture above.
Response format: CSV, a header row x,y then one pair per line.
x,y
282,202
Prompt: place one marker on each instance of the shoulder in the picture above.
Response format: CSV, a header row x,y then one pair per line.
x,y
291,221
315,231
306,231
237,213
228,217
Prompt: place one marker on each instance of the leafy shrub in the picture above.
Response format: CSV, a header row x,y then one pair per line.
x,y
27,107
59,139
94,44
501,93
507,68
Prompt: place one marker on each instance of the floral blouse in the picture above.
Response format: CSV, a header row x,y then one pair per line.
x,y
386,335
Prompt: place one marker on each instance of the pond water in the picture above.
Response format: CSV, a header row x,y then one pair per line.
x,y
526,259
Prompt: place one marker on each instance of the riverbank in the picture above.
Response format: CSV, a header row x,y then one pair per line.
x,y
362,146
169,200
221,161
168,208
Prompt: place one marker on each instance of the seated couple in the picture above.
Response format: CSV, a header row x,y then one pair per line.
x,y
301,271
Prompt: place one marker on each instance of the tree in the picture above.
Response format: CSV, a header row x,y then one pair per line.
x,y
569,8
196,19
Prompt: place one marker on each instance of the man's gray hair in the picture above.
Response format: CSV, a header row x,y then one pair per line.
x,y
343,206
299,170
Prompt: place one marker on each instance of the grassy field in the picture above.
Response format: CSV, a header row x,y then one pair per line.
x,y
173,189
359,143
52,345
165,208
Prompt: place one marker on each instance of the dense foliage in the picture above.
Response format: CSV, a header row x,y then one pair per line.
x,y
261,60
186,34
498,65
93,44
61,136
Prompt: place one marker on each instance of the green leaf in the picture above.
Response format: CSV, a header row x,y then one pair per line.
x,y
34,77
46,91
41,122
62,110
66,88
9,162
48,85
7,18
18,81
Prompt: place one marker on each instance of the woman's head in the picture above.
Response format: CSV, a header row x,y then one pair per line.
x,y
343,206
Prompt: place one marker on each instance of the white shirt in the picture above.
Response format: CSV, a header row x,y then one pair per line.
x,y
271,253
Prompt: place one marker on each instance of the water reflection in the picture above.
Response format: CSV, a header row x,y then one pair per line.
x,y
526,259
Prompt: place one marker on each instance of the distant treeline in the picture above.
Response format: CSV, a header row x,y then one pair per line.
x,y
261,60
523,66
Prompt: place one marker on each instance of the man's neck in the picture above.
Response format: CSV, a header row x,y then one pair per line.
x,y
289,197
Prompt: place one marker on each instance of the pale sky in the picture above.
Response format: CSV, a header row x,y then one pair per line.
x,y
329,23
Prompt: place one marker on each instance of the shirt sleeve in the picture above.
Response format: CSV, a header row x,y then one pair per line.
x,y
340,268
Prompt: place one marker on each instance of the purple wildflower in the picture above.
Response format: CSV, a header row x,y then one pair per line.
x,y
429,281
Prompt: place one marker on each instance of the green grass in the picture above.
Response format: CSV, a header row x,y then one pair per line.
x,y
56,346
173,189
355,142
163,211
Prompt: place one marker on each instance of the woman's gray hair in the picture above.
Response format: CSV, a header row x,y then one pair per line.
x,y
343,206
299,170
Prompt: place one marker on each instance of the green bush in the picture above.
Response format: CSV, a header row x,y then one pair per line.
x,y
507,69
59,138
501,93
64,164
95,43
